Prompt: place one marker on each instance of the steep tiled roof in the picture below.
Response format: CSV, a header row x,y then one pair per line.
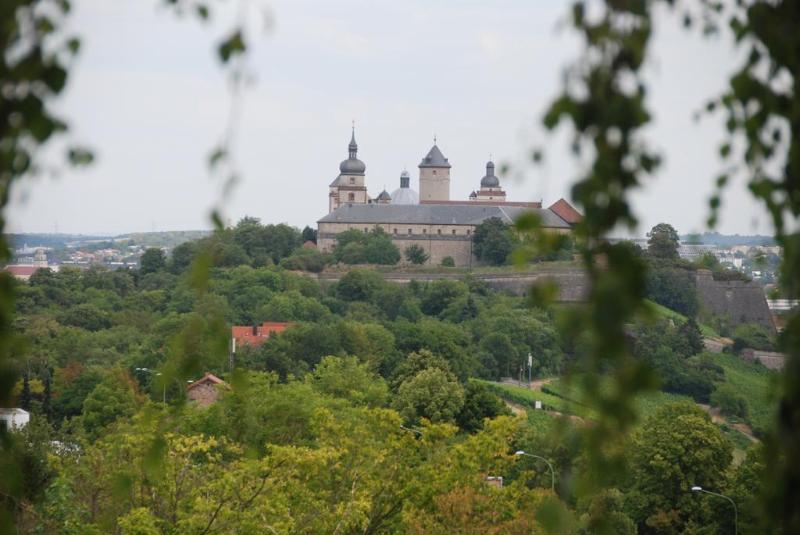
x,y
207,378
566,211
21,271
435,214
435,158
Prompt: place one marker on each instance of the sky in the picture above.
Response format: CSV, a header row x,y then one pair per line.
x,y
148,95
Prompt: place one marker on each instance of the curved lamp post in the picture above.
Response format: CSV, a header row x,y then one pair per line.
x,y
735,509
549,465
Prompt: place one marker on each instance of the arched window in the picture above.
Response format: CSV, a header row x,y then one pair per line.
x,y
351,196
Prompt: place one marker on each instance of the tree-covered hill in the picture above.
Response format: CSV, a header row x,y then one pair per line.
x,y
366,411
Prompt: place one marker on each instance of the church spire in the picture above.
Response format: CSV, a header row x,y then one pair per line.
x,y
353,147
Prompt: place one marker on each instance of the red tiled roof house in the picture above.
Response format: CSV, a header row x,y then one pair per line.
x,y
255,335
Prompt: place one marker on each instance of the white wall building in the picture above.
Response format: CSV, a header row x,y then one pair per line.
x,y
14,418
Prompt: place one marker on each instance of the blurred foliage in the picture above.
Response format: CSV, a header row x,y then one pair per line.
x,y
147,474
604,101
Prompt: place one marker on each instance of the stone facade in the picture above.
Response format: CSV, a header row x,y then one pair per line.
x,y
739,301
353,191
434,184
204,394
206,390
438,241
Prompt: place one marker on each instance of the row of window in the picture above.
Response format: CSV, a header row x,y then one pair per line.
x,y
424,231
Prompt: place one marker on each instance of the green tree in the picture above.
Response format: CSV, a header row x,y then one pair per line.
x,y
182,256
730,401
433,394
86,316
673,287
25,396
113,398
493,241
690,332
752,336
379,249
309,234
359,285
373,247
479,403
152,261
663,242
416,254
676,448
306,260
347,378
438,295
605,513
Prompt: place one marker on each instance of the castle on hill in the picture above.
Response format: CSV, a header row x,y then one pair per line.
x,y
430,219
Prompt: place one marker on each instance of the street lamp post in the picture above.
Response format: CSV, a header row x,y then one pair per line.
x,y
530,367
164,385
549,465
735,509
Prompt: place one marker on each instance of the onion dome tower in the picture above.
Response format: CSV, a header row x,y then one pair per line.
x,y
404,194
349,186
490,186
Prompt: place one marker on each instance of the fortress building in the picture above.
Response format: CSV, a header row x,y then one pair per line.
x,y
430,219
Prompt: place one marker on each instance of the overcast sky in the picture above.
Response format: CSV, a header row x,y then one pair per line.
x,y
148,95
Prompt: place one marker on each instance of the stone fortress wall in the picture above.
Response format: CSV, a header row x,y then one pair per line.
x,y
740,301
572,282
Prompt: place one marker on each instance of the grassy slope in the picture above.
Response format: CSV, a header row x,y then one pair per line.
x,y
669,313
646,404
558,396
525,397
754,382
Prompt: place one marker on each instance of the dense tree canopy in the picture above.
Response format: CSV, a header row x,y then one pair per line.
x,y
493,241
663,242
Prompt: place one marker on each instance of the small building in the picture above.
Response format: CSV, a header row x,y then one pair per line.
x,y
14,419
22,271
205,390
255,335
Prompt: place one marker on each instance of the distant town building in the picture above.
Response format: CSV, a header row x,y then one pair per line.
x,y
430,219
693,251
205,390
21,271
12,419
